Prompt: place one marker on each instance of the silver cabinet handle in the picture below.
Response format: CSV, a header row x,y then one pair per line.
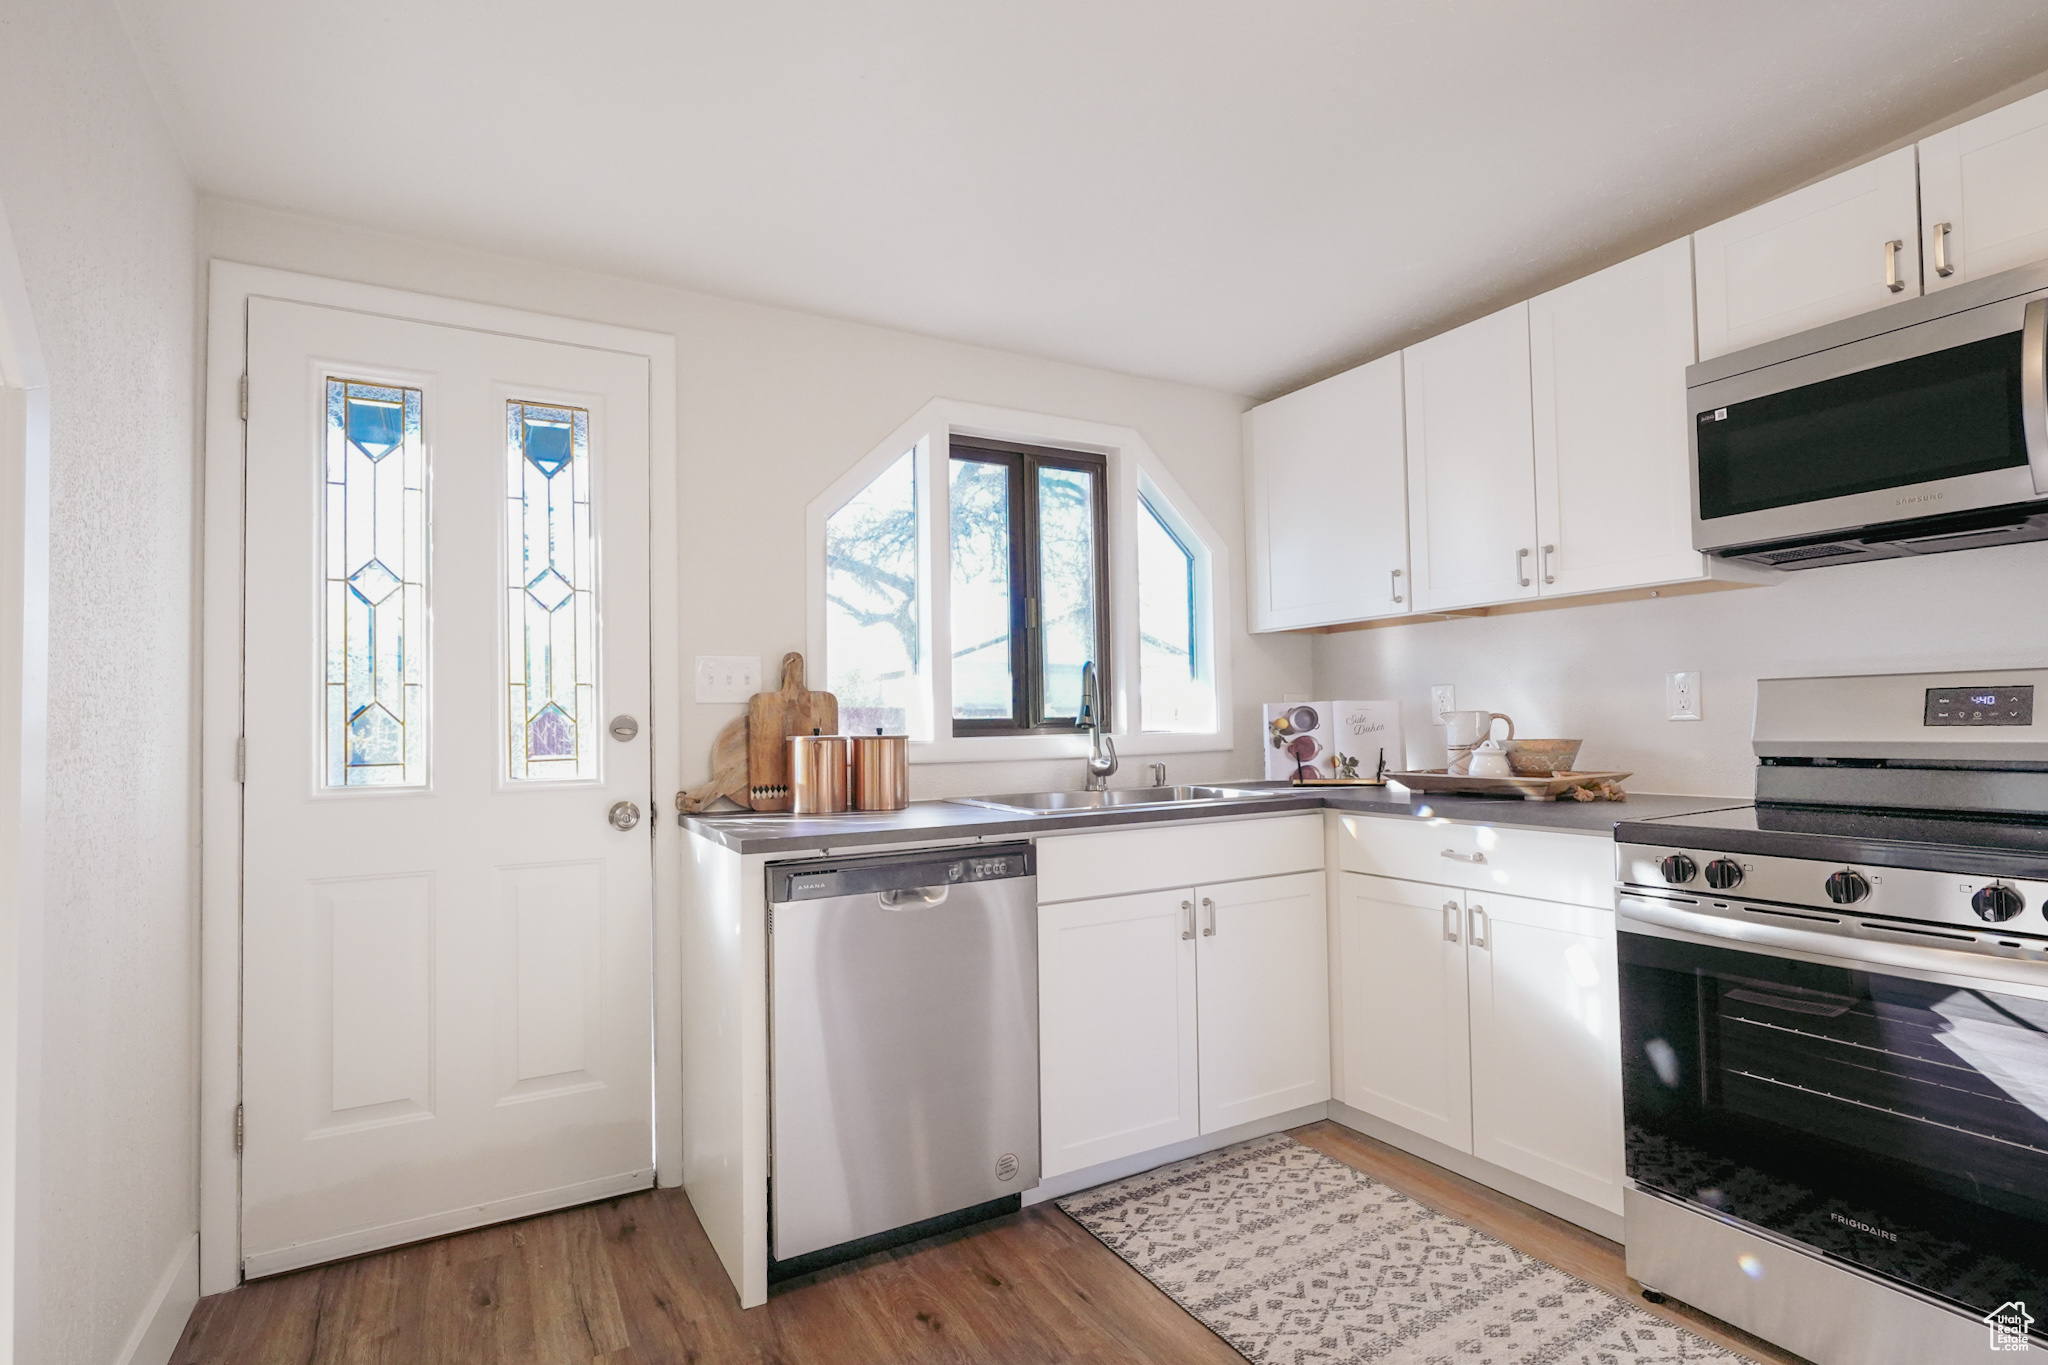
x,y
624,815
1482,930
1209,906
1942,265
1189,907
2034,389
1891,265
1548,576
1450,921
1456,856
1521,570
1397,585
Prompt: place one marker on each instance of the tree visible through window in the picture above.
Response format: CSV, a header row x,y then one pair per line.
x,y
872,603
1028,550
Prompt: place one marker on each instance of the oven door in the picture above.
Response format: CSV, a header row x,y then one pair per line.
x,y
1936,418
1892,1116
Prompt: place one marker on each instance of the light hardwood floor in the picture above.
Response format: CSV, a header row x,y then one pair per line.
x,y
633,1282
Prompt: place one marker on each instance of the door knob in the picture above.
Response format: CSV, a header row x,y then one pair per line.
x,y
624,815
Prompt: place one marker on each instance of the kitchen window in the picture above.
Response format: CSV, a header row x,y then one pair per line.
x,y
964,571
1029,557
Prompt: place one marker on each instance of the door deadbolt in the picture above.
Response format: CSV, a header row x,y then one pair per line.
x,y
624,728
624,815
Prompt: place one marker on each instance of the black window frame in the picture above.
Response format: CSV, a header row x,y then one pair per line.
x,y
1027,645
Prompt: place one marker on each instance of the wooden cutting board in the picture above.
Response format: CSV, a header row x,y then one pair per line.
x,y
772,717
728,771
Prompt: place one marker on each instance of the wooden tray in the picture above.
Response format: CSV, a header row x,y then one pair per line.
x,y
1436,781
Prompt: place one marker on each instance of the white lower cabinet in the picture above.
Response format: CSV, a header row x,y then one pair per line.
x,y
1489,1023
1168,1014
1402,1017
1263,989
1116,1027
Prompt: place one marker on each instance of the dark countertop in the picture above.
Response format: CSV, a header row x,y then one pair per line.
x,y
943,820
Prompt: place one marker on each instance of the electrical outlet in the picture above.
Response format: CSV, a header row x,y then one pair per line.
x,y
1442,697
722,677
1682,696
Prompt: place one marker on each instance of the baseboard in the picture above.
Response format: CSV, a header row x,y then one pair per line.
x,y
1569,1207
1059,1186
299,1255
155,1335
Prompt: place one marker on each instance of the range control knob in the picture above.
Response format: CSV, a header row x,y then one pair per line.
x,y
1724,874
1678,868
1847,887
1998,903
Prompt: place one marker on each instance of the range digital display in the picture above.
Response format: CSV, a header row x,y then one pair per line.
x,y
1980,705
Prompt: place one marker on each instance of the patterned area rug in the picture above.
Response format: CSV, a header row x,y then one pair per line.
x,y
1293,1257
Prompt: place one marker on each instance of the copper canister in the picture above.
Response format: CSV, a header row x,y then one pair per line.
x,y
881,771
817,774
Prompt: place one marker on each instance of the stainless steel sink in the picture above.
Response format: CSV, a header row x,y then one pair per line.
x,y
1121,798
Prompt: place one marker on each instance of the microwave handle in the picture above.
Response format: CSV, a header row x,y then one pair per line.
x,y
2034,390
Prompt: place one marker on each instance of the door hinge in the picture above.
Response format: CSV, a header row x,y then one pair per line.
x,y
245,398
241,758
238,1129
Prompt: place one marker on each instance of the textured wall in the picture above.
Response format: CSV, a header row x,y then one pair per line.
x,y
1597,673
772,407
103,221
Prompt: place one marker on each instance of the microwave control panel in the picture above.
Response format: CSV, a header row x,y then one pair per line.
x,y
1980,705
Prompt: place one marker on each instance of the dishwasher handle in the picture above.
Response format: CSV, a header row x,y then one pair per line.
x,y
912,897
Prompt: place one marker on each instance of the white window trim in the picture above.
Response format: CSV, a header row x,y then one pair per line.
x,y
1134,469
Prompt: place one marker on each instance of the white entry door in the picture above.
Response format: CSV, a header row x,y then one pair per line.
x,y
446,1002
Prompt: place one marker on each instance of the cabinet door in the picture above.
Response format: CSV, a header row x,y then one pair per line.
x,y
1546,1058
1116,1027
1401,1026
1984,194
1471,477
1815,256
1607,358
1264,972
1327,477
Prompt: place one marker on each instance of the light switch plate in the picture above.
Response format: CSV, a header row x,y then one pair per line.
x,y
1682,696
728,677
1442,697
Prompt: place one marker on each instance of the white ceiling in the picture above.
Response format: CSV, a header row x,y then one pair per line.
x,y
1240,194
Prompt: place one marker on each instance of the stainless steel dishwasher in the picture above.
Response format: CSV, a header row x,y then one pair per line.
x,y
903,1021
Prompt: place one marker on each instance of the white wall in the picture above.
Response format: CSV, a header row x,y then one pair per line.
x,y
774,405
1597,673
102,218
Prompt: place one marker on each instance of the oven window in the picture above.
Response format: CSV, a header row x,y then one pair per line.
x,y
1937,416
1896,1124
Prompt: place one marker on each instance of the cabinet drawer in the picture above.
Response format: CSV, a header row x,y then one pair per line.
x,y
1115,862
1574,868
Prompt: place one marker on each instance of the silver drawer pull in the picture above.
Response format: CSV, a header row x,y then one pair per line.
x,y
1458,857
1891,264
1397,584
1450,921
1209,906
1482,928
1189,907
1942,265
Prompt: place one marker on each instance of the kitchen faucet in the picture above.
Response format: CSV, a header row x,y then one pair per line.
x,y
1101,752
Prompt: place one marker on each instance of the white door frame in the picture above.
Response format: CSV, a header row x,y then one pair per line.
x,y
230,286
24,673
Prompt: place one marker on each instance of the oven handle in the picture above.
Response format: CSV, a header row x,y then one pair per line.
x,y
1941,966
2034,389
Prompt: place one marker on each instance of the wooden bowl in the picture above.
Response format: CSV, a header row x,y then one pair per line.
x,y
1542,757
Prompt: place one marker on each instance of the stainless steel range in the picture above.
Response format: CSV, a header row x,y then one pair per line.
x,y
1835,1026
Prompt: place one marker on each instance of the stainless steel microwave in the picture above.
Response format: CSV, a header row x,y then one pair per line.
x,y
1915,429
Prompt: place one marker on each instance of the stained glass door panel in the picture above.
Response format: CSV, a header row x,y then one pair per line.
x,y
551,621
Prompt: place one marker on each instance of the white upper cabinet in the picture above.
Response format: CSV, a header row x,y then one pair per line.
x,y
1844,246
1471,509
1607,363
1984,194
1325,472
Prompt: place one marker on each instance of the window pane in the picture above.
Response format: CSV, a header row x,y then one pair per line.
x,y
871,603
981,590
551,628
1170,697
1066,568
374,510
